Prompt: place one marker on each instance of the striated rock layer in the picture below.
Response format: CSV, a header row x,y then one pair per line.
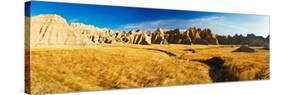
x,y
53,30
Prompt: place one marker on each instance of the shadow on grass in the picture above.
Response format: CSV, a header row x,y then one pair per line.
x,y
154,49
216,71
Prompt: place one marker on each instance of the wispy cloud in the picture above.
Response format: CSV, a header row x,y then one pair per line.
x,y
219,25
172,23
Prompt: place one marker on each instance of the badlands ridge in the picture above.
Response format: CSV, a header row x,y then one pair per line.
x,y
53,30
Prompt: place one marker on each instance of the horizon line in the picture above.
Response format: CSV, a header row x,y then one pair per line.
x,y
148,30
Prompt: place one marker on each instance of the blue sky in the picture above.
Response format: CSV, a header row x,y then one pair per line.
x,y
127,18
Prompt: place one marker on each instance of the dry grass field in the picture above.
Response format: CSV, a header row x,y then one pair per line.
x,y
134,66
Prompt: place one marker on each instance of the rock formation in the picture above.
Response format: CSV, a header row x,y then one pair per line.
x,y
250,39
86,32
174,36
225,40
139,37
185,38
53,30
204,36
197,38
267,42
158,37
120,37
190,36
244,48
145,38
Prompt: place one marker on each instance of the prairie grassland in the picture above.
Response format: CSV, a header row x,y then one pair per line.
x,y
134,66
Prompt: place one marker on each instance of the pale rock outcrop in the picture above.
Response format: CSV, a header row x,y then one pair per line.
x,y
86,32
207,34
51,30
196,38
120,37
105,36
145,38
192,32
204,36
158,37
93,35
139,37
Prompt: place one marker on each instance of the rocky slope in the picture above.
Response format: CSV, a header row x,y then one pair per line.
x,y
53,30
90,34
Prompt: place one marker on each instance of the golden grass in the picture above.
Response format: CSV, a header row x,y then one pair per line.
x,y
133,66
